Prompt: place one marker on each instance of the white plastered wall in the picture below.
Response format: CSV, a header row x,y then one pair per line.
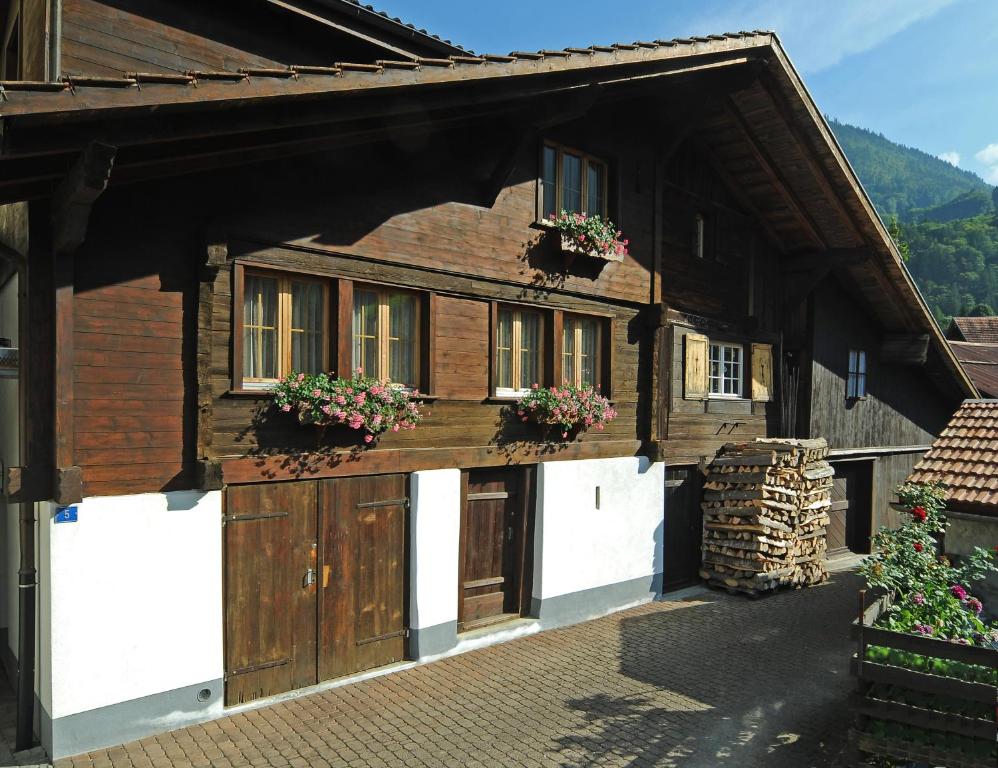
x,y
579,547
435,530
135,590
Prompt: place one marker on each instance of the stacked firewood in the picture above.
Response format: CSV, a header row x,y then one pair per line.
x,y
765,509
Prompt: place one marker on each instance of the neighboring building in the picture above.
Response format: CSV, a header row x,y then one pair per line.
x,y
202,188
965,460
974,341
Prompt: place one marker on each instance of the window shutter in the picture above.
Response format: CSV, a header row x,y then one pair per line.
x,y
762,372
695,373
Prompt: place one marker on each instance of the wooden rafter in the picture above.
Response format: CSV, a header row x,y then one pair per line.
x,y
772,172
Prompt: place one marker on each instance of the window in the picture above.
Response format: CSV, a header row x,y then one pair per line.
x,y
725,370
698,236
571,181
518,350
386,334
856,382
283,327
580,351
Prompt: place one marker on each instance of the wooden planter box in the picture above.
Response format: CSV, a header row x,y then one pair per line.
x,y
570,249
868,707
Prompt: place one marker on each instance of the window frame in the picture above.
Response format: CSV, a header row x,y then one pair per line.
x,y
284,278
856,379
740,379
601,366
543,362
587,158
383,291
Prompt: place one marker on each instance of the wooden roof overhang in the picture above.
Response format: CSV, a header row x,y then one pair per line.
x,y
737,96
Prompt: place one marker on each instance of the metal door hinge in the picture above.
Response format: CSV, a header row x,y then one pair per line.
x,y
309,578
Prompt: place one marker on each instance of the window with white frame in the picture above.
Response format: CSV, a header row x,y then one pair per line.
x,y
386,334
856,381
725,371
517,351
572,181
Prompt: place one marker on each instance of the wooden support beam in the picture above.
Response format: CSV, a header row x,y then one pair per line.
x,y
735,188
905,348
74,197
772,172
216,256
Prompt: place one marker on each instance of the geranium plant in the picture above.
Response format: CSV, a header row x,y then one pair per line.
x,y
593,235
363,403
566,408
929,595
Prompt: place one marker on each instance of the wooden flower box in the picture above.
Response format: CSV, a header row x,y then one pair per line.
x,y
571,249
958,740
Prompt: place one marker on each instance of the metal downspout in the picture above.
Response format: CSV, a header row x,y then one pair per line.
x,y
55,40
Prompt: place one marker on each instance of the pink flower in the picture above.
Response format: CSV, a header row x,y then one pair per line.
x,y
524,419
564,434
376,419
359,399
534,386
923,629
286,407
316,392
368,438
974,604
341,400
918,598
958,592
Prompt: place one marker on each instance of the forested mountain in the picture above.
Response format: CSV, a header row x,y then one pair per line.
x,y
899,178
947,217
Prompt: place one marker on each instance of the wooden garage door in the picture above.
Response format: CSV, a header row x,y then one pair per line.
x,y
315,582
270,547
362,604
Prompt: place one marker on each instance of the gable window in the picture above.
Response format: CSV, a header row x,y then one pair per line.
x,y
572,181
386,334
580,351
284,321
517,350
856,381
725,370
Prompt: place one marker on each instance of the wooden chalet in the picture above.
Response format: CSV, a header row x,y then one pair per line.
x,y
196,202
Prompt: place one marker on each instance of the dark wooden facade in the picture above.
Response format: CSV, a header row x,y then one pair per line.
x,y
745,226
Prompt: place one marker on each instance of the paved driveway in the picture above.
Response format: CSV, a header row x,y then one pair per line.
x,y
715,680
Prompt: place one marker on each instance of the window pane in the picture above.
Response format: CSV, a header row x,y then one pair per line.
x,y
504,350
403,324
571,182
530,335
595,194
365,333
861,360
549,175
588,354
259,327
306,327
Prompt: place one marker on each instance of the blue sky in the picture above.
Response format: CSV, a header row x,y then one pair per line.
x,y
922,72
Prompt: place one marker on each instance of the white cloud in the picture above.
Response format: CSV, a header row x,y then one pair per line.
x,y
820,35
953,158
989,157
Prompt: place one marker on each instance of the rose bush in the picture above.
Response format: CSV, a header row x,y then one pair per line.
x,y
592,234
567,408
362,403
929,595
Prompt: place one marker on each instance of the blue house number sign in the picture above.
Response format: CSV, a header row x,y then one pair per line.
x,y
65,514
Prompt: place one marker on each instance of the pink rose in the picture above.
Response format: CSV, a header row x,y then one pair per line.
x,y
368,438
285,407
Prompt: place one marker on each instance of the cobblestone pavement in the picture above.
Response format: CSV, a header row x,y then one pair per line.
x,y
715,680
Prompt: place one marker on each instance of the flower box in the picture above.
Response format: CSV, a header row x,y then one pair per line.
x,y
566,410
571,249
923,699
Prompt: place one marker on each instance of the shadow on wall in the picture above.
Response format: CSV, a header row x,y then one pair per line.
x,y
731,682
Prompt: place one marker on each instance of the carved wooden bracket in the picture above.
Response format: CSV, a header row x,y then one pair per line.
x,y
75,196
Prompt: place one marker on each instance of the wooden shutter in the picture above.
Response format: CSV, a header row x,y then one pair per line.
x,y
762,372
695,369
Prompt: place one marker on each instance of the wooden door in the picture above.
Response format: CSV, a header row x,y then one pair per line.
x,y
850,512
270,554
362,573
494,518
683,528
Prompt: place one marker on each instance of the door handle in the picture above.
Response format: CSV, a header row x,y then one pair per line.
x,y
509,533
309,578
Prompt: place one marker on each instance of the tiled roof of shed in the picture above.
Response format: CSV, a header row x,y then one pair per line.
x,y
981,330
981,364
406,71
965,456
